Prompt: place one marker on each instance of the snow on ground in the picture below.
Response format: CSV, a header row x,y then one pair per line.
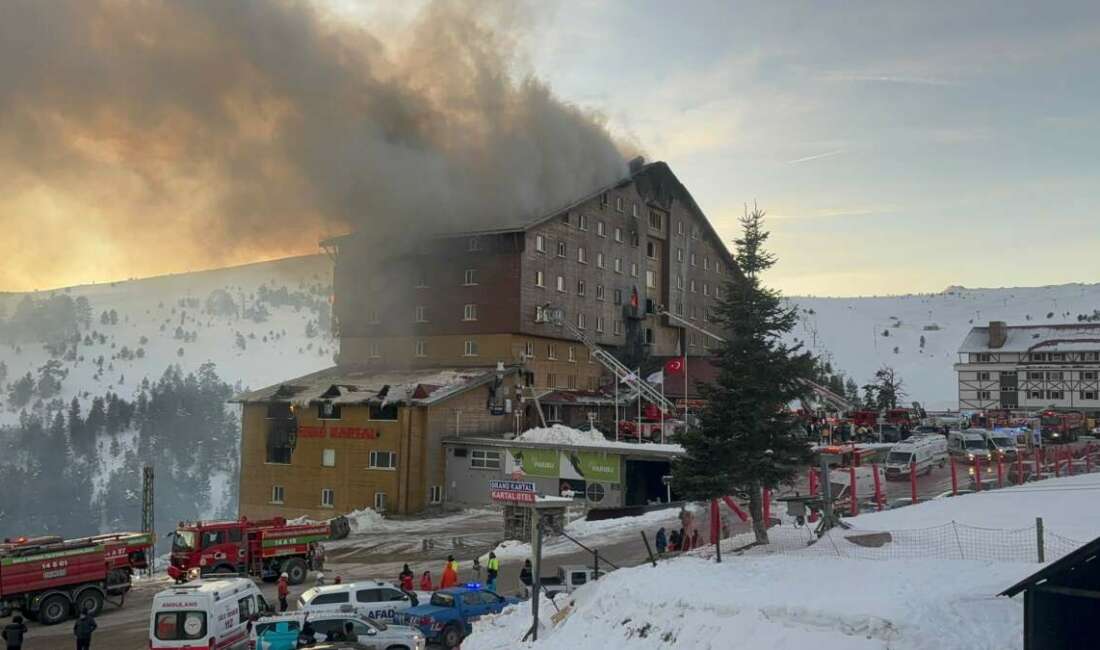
x,y
779,602
852,330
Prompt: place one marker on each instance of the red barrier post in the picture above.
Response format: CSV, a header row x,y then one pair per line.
x,y
978,473
1057,462
878,486
715,521
1069,462
852,490
1019,467
813,492
1038,452
736,509
1000,471
913,481
954,478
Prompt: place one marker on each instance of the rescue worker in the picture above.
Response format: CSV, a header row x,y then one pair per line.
x,y
454,564
284,591
83,629
338,580
477,570
492,569
14,632
319,580
450,575
525,577
661,541
405,578
426,581
673,541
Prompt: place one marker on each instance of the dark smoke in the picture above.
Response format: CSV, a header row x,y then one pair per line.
x,y
139,135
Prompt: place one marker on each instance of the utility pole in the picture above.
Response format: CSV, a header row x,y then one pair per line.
x,y
536,577
148,523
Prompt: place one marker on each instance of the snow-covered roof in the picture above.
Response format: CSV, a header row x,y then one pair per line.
x,y
346,385
560,436
1045,338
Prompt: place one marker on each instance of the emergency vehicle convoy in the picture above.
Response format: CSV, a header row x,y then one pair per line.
x,y
50,579
263,549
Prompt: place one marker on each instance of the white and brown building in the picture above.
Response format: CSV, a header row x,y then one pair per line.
x,y
1030,367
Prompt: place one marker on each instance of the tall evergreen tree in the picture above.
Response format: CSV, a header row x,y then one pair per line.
x,y
747,438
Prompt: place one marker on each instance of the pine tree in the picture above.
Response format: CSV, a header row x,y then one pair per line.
x,y
747,439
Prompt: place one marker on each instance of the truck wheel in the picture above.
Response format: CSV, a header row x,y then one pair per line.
x,y
224,568
295,570
452,637
54,609
91,601
339,527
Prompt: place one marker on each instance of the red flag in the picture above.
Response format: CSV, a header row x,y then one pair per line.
x,y
634,297
674,366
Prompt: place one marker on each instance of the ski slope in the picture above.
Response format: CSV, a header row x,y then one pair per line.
x,y
863,334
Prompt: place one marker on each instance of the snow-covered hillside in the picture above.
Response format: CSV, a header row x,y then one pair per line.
x,y
863,334
187,319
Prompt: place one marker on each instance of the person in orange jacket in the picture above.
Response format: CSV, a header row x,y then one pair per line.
x,y
450,576
426,581
284,591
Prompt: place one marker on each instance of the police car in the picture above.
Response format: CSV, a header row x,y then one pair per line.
x,y
284,631
372,599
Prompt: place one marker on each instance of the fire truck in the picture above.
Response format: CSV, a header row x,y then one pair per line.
x,y
263,549
1062,426
49,578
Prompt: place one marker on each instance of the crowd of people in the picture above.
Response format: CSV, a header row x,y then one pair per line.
x,y
449,577
15,633
676,541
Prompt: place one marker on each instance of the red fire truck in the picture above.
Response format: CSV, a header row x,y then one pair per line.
x,y
263,549
50,578
1062,426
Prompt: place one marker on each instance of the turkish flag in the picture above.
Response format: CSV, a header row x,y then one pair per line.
x,y
674,366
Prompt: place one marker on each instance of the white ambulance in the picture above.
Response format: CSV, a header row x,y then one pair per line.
x,y
205,614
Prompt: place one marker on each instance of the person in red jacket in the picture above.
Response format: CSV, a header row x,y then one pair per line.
x,y
284,591
450,576
426,581
405,579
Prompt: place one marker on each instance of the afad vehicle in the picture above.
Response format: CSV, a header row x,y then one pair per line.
x,y
263,549
448,617
50,579
1062,426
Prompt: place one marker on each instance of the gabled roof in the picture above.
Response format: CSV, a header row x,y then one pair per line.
x,y
1039,338
1061,569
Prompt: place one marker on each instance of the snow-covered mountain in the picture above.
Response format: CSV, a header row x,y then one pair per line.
x,y
864,334
257,323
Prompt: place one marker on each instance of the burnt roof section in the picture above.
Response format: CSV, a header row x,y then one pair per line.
x,y
1069,569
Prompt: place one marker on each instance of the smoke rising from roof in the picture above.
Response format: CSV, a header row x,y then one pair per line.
x,y
148,136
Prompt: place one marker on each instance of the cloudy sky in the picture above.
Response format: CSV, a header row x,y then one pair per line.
x,y
897,147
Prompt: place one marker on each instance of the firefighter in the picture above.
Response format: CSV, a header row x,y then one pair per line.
x,y
477,570
525,577
405,578
284,591
492,568
426,581
13,633
450,575
83,629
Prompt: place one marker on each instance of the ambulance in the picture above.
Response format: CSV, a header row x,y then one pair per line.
x,y
211,614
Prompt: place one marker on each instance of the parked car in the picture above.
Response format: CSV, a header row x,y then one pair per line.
x,y
276,632
372,599
969,446
568,579
448,617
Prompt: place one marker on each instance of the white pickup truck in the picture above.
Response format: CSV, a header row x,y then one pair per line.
x,y
568,579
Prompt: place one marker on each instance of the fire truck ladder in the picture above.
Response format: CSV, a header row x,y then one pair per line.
x,y
622,373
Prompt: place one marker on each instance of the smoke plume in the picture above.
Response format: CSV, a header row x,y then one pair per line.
x,y
148,136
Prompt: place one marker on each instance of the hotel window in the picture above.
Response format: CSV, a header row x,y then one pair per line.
x,y
540,280
633,269
619,235
651,250
565,218
599,323
693,259
551,351
435,494
692,286
1089,395
1055,394
634,209
469,312
328,497
561,283
680,228
983,394
328,411
374,350
651,279
601,228
482,459
580,287
582,255
473,244
278,493
603,200
1054,376
469,277
649,336
618,297
599,292
529,350
706,289
679,281
572,354
421,314
983,376
679,255
380,501
382,460
706,263
619,203
1090,356
328,458
469,348
580,321
617,327
420,352
599,260
550,380
695,232
421,281
692,313
540,243
582,222
679,309
655,220
618,265
691,341
1088,375
634,239
561,249
380,413
716,291
1037,376
1035,394
372,316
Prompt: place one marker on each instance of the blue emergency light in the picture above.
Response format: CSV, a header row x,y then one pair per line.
x,y
473,585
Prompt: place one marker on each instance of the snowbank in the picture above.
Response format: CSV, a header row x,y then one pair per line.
x,y
560,434
780,603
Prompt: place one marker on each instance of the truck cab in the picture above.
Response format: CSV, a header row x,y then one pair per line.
x,y
202,548
568,579
448,617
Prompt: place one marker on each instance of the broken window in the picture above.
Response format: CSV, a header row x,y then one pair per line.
x,y
281,436
328,411
384,413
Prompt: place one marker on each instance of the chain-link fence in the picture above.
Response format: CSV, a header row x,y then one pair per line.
x,y
951,541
